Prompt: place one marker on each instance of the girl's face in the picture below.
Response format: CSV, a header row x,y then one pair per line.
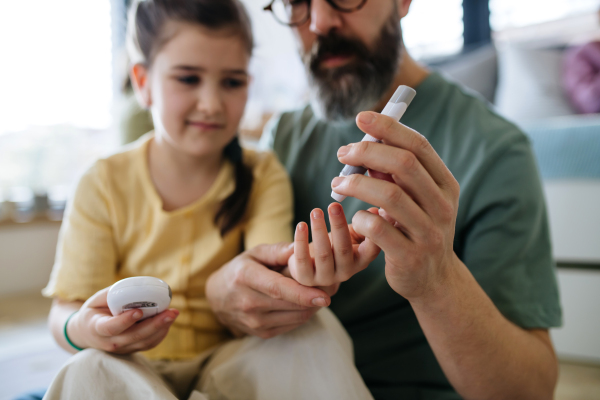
x,y
196,88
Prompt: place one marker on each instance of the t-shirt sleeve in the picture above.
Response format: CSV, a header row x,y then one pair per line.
x,y
507,241
270,206
86,255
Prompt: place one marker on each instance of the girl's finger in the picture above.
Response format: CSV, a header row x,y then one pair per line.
x,y
343,253
146,328
322,254
108,325
301,267
146,343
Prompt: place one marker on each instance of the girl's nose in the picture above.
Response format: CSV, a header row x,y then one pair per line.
x,y
209,100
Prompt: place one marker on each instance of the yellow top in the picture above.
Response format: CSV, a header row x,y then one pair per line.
x,y
115,228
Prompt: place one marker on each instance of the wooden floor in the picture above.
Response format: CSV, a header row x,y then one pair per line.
x,y
29,358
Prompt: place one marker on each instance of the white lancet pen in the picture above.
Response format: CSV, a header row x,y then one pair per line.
x,y
395,108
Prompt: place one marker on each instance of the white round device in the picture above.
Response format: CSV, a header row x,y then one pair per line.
x,y
149,294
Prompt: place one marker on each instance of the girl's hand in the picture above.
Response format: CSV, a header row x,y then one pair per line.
x,y
331,258
95,327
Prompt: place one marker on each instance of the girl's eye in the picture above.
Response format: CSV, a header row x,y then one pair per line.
x,y
189,80
234,83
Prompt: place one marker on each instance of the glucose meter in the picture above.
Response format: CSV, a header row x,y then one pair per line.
x,y
146,293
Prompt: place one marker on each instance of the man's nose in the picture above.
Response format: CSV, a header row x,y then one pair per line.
x,y
323,18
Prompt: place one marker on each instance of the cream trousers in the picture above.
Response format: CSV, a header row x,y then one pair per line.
x,y
314,361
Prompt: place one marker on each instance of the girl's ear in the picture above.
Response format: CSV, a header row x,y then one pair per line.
x,y
403,6
141,84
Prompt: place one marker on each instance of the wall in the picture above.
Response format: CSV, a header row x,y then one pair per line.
x,y
26,256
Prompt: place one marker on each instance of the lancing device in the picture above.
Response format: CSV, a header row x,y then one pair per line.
x,y
395,108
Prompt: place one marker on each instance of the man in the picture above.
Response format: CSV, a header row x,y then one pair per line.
x,y
459,302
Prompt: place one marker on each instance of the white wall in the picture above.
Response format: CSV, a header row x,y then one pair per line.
x,y
574,213
579,338
26,256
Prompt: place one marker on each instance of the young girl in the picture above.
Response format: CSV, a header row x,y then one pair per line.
x,y
178,204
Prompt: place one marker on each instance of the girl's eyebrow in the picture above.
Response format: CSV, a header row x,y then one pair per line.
x,y
201,69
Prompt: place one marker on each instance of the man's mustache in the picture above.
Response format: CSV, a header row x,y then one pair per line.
x,y
334,45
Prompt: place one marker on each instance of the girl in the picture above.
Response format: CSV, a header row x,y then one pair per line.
x,y
178,204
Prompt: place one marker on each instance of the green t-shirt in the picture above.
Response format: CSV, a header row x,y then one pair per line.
x,y
501,230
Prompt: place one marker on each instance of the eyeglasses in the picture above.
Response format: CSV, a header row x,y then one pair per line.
x,y
297,12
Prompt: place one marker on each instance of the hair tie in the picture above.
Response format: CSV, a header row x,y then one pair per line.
x,y
233,151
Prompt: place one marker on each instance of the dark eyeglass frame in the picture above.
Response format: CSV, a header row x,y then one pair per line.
x,y
332,3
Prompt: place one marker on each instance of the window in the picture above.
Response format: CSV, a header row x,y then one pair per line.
x,y
517,13
57,90
433,28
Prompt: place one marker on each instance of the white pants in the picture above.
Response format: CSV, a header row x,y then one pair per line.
x,y
314,361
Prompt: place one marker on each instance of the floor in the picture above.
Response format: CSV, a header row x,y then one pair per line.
x,y
29,358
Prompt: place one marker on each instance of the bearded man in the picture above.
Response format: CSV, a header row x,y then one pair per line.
x,y
459,302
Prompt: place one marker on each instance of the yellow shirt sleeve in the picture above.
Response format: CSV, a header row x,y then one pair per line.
x,y
86,257
270,209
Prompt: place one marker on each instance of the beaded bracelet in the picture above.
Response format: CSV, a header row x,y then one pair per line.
x,y
67,336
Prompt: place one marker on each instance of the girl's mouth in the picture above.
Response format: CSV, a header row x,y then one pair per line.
x,y
206,125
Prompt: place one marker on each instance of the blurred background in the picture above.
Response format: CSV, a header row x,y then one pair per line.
x,y
62,105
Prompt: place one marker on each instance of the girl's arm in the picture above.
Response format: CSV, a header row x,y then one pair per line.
x,y
93,326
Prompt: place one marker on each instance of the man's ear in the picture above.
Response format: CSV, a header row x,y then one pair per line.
x,y
403,6
141,84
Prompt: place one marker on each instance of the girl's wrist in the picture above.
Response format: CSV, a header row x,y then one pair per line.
x,y
71,332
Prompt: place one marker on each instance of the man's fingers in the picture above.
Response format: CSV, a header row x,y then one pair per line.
x,y
396,134
301,263
276,319
379,232
343,252
272,255
279,287
389,196
322,254
404,168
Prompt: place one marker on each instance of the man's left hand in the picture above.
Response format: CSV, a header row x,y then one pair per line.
x,y
418,200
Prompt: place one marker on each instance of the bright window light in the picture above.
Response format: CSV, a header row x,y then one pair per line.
x,y
516,13
56,64
434,28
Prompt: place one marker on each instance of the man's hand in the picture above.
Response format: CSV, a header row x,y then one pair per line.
x,y
333,257
250,296
418,203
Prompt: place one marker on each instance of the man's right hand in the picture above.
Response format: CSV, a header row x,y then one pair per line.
x,y
249,295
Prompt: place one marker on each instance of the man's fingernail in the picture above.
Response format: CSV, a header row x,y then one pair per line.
x,y
168,320
337,181
317,214
319,302
365,118
343,151
336,209
137,315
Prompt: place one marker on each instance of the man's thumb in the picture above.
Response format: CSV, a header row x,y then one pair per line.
x,y
273,256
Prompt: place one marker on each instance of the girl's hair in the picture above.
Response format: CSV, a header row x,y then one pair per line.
x,y
145,37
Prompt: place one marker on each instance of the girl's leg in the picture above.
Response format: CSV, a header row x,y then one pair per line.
x,y
94,374
314,361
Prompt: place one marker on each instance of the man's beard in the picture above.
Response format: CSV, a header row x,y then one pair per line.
x,y
340,93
